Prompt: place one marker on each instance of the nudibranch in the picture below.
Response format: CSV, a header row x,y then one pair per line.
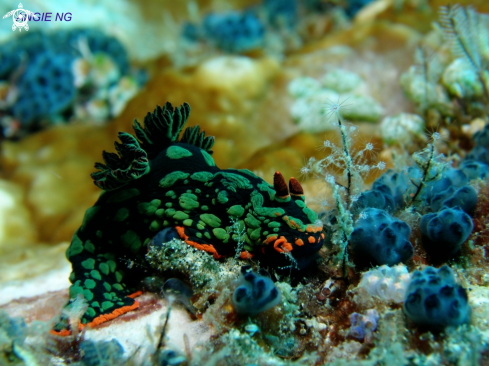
x,y
158,181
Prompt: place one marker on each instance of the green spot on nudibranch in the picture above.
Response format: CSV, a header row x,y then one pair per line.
x,y
221,234
282,200
205,208
75,289
160,212
117,286
252,221
88,263
188,201
170,212
76,246
234,180
274,224
187,222
155,225
107,296
202,176
121,214
88,295
112,265
118,276
176,152
90,312
208,159
123,195
107,305
211,220
255,234
99,234
172,177
179,215
300,203
236,210
265,187
311,215
89,214
170,194
95,274
149,208
207,235
90,284
107,286
222,197
89,247
129,238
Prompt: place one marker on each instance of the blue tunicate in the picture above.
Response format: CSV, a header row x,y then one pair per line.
x,y
45,89
374,199
433,299
256,292
480,154
362,326
444,232
451,177
234,32
380,239
465,198
475,169
393,184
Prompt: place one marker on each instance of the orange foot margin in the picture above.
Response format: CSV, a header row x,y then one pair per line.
x,y
104,317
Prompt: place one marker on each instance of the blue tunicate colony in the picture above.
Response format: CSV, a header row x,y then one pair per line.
x,y
40,67
435,300
448,202
240,32
256,292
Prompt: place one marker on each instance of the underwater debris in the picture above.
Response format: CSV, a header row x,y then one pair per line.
x,y
387,283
